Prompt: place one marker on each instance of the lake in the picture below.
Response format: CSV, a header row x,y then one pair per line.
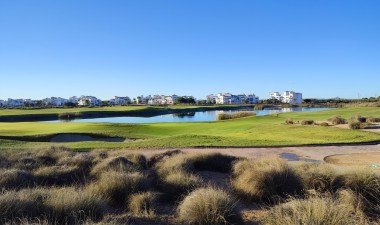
x,y
185,117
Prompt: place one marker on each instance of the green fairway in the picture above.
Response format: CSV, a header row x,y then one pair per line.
x,y
254,131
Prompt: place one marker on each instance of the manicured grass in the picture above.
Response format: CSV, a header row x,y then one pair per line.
x,y
254,131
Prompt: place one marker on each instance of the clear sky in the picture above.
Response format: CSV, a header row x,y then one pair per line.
x,y
324,48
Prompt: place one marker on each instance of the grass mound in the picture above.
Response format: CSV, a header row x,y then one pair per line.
x,y
60,175
228,116
16,179
208,206
316,176
143,204
116,187
162,156
213,162
178,183
133,163
313,210
307,122
266,179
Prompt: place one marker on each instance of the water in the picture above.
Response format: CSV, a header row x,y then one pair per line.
x,y
186,117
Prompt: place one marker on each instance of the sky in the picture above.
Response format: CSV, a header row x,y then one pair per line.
x,y
112,48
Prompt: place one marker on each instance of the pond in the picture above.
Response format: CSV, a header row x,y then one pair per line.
x,y
186,117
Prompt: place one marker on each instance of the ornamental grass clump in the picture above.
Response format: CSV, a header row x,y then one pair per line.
x,y
143,203
307,122
266,179
316,176
336,120
228,116
208,206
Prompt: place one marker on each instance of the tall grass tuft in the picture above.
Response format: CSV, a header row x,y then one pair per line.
x,y
317,176
335,120
175,184
143,204
208,206
118,164
373,119
307,122
116,187
228,116
313,210
16,179
266,179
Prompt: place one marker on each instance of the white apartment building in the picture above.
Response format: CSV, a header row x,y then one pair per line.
x,y
227,98
55,101
2,103
289,97
120,100
89,101
170,100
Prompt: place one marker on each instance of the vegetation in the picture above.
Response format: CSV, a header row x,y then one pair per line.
x,y
143,204
335,120
228,116
208,206
250,131
307,122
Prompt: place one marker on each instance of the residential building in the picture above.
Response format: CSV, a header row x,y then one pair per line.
x,y
2,103
120,101
89,101
228,98
211,98
289,97
55,101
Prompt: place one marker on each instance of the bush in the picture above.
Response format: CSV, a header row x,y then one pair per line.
x,y
227,116
335,120
316,176
70,205
289,121
266,179
360,119
177,183
324,124
16,179
143,204
313,210
116,187
208,206
355,125
307,122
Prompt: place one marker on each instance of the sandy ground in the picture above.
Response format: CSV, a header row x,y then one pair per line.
x,y
317,153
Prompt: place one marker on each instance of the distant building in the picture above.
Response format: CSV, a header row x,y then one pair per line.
x,y
227,98
289,97
2,103
55,101
89,101
120,101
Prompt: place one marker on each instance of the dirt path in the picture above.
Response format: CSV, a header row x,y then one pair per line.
x,y
309,153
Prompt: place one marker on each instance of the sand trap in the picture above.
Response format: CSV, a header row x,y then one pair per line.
x,y
355,159
61,138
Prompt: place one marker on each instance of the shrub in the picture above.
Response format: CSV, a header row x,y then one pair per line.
x,y
60,175
208,206
313,210
227,116
116,187
324,124
143,203
355,125
360,119
363,183
266,179
69,205
177,183
289,121
337,120
16,179
307,122
316,176
373,119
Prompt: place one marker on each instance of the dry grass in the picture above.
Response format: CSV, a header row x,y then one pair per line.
x,y
16,179
335,120
317,176
289,121
60,175
118,164
208,206
266,179
179,183
143,204
116,187
307,122
373,119
313,210
228,116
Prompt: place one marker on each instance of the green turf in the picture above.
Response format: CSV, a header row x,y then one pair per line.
x,y
254,131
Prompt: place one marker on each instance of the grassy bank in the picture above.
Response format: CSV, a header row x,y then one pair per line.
x,y
254,131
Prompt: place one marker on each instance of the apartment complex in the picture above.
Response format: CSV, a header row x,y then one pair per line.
x,y
230,99
289,97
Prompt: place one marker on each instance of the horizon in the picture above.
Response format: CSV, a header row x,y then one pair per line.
x,y
322,49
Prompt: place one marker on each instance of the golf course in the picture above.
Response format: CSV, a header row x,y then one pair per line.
x,y
255,131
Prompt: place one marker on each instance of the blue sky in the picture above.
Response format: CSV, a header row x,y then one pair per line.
x,y
104,48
